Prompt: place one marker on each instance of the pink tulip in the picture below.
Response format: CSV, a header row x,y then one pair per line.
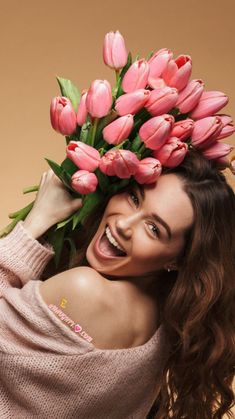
x,y
217,150
149,169
114,50
206,131
118,130
225,119
161,100
182,129
136,76
84,182
82,110
228,127
157,64
63,116
99,98
83,155
178,72
209,103
190,96
131,102
156,130
172,153
223,162
120,163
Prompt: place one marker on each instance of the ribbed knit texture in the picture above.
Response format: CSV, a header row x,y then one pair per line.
x,y
48,371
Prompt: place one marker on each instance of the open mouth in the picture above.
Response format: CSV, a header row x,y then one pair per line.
x,y
107,247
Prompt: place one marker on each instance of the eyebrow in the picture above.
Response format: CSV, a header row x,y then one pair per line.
x,y
155,216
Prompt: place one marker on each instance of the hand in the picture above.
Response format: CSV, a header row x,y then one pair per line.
x,y
53,203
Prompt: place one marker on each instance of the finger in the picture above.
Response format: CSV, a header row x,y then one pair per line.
x,y
43,178
77,203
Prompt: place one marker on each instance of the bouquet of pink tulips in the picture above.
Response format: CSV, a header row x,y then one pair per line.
x,y
151,118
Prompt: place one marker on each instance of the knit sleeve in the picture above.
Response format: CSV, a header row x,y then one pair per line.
x,y
22,258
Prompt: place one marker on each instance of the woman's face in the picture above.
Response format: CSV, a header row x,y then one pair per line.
x,y
133,221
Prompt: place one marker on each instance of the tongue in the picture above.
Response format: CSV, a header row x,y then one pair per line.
x,y
108,249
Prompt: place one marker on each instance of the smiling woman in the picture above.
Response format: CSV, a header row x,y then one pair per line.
x,y
152,284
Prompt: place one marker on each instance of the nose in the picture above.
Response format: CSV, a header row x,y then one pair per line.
x,y
125,224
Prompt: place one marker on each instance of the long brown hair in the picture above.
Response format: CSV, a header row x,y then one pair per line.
x,y
197,302
199,314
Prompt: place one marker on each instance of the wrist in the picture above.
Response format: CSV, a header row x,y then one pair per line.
x,y
35,227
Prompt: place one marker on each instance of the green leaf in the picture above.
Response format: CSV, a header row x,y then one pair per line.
x,y
69,166
105,121
90,202
103,181
55,167
128,64
118,185
149,56
119,91
56,238
64,222
85,132
61,174
69,90
136,143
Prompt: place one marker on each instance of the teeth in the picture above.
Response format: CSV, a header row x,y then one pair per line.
x,y
112,239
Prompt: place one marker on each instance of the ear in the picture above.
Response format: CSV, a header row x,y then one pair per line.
x,y
172,265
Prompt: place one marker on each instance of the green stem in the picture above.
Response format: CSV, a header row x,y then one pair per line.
x,y
94,128
142,149
117,75
118,146
31,189
20,216
22,211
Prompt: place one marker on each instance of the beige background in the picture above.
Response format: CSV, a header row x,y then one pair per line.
x,y
40,39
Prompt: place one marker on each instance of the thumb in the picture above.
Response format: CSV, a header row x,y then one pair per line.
x,y
77,203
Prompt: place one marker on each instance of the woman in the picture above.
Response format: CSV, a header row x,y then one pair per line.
x,y
155,291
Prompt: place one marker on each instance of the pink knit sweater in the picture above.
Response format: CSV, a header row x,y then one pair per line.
x,y
49,371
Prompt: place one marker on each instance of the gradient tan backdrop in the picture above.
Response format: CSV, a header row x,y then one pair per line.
x,y
42,39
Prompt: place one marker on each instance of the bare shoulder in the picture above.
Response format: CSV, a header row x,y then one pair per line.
x,y
73,289
87,298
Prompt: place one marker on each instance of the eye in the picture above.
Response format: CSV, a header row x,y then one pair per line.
x,y
134,197
155,230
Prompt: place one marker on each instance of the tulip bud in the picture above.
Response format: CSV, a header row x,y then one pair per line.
x,y
217,150
178,72
82,110
190,96
131,102
161,100
63,116
209,103
149,169
157,64
155,131
228,127
136,76
206,131
99,98
83,155
120,163
182,129
172,153
118,130
84,182
114,50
